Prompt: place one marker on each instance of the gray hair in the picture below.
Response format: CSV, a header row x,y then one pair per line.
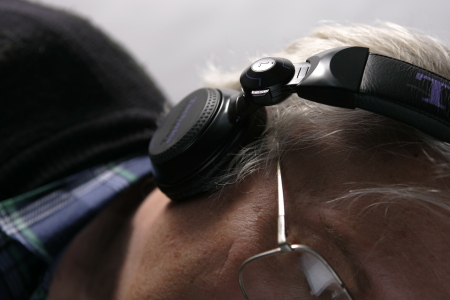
x,y
358,129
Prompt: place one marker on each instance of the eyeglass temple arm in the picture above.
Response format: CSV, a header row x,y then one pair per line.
x,y
285,247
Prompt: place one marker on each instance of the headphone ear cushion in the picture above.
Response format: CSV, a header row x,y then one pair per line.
x,y
207,181
198,140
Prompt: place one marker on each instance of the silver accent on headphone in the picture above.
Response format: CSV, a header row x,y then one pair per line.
x,y
260,92
301,69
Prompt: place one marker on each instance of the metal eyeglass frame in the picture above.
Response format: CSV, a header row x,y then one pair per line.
x,y
284,247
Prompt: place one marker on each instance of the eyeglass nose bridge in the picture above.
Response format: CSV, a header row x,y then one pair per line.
x,y
285,247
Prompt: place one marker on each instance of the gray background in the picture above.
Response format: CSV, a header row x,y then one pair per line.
x,y
175,40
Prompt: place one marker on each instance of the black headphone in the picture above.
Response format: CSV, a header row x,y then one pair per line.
x,y
201,134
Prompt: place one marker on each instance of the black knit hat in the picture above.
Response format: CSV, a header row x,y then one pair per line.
x,y
70,98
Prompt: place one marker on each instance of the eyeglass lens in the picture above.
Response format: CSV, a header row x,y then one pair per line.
x,y
296,274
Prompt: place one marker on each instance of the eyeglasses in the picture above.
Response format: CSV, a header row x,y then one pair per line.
x,y
289,271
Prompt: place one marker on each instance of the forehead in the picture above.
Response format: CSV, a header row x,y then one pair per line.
x,y
374,209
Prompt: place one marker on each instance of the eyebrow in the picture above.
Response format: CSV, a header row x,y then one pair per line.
x,y
359,276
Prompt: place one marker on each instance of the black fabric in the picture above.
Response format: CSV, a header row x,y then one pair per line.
x,y
70,97
406,93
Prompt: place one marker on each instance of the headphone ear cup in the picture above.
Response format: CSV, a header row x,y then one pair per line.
x,y
206,182
198,140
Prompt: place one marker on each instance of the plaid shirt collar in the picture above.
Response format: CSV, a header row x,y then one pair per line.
x,y
36,226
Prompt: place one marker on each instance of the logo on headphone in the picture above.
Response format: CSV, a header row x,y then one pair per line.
x,y
180,119
436,90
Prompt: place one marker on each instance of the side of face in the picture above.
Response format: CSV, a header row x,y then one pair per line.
x,y
382,247
193,249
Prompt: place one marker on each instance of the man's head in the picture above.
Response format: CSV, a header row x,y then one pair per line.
x,y
370,194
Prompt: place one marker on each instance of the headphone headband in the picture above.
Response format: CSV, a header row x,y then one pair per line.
x,y
351,77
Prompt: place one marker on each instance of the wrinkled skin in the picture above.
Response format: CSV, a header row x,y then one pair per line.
x,y
156,249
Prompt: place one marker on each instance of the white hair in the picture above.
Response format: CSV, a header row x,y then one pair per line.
x,y
358,129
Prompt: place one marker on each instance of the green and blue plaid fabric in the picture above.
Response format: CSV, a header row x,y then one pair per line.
x,y
35,227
